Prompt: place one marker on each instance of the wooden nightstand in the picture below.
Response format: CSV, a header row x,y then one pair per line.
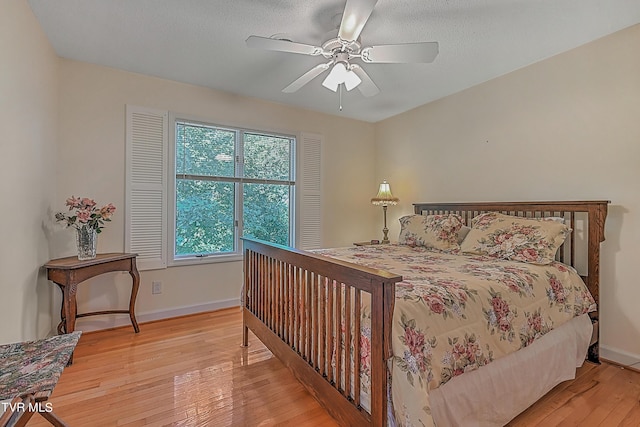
x,y
367,243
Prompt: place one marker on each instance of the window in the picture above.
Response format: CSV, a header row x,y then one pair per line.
x,y
229,183
193,188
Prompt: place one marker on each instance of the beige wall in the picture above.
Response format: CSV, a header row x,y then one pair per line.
x,y
28,118
567,128
91,163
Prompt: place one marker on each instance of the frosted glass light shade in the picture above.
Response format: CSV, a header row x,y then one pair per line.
x,y
339,75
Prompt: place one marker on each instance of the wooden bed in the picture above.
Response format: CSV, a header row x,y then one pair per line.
x,y
290,298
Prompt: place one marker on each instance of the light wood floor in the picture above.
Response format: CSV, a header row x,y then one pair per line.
x,y
191,371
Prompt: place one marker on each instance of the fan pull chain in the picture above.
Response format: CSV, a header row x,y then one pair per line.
x,y
340,95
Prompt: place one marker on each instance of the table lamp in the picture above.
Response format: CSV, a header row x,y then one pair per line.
x,y
384,198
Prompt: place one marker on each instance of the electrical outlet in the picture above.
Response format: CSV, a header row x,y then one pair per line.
x,y
156,287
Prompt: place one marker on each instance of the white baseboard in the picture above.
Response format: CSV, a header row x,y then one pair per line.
x,y
619,356
86,324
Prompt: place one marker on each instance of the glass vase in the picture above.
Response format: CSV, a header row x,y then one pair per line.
x,y
87,239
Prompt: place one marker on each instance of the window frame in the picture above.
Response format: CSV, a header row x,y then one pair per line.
x,y
238,180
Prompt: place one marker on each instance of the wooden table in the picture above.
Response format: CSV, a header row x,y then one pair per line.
x,y
67,273
368,243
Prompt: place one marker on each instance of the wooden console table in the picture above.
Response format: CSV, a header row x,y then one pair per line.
x,y
68,272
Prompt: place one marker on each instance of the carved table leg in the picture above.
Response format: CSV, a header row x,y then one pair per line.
x,y
70,310
69,303
61,325
134,293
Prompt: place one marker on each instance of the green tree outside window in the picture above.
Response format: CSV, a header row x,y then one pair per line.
x,y
214,166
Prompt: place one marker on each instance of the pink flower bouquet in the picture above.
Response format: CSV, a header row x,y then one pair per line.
x,y
86,214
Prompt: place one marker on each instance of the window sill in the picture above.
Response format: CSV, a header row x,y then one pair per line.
x,y
211,259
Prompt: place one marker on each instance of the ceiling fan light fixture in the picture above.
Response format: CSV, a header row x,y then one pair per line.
x,y
339,75
351,80
335,77
331,85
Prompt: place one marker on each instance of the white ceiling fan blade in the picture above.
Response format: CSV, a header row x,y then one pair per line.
x,y
283,45
356,13
307,77
367,87
400,53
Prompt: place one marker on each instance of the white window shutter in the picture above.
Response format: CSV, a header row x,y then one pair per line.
x,y
146,186
310,191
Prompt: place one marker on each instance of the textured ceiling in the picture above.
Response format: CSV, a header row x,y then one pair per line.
x,y
203,42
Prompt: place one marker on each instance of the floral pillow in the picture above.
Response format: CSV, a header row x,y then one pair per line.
x,y
531,240
431,231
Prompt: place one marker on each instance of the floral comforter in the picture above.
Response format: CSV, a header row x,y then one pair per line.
x,y
456,313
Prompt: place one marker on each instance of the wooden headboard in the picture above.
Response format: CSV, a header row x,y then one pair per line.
x,y
590,214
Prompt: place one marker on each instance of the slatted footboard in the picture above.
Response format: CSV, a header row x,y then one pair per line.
x,y
304,307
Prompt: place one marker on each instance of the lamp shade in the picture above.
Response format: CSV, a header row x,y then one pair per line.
x,y
384,196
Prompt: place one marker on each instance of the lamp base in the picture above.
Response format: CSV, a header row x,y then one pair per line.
x,y
385,230
385,238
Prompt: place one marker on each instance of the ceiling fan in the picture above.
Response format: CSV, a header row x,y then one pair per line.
x,y
347,47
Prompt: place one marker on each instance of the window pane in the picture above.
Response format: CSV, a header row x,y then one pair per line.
x,y
204,217
204,150
267,157
266,212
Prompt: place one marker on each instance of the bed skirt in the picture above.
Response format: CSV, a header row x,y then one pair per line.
x,y
496,393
